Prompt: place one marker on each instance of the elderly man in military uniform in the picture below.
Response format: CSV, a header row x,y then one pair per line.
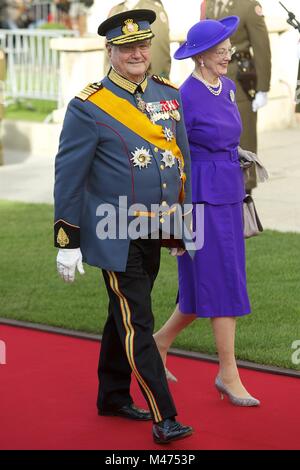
x,y
160,47
252,77
124,143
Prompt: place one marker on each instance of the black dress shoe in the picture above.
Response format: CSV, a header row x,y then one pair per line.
x,y
170,430
128,411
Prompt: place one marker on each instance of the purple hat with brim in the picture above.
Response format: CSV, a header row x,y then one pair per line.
x,y
206,34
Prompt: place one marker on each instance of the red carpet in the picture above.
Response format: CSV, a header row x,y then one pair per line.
x,y
48,391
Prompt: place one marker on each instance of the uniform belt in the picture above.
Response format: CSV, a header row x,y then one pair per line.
x,y
154,214
231,155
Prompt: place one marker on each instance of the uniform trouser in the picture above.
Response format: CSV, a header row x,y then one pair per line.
x,y
127,342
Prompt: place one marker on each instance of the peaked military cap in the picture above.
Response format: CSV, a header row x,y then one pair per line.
x,y
129,26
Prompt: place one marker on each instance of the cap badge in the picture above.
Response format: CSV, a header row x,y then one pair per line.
x,y
130,27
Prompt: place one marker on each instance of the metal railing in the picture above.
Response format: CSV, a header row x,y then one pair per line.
x,y
32,67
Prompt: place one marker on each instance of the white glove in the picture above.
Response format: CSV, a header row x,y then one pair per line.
x,y
67,261
260,100
177,251
298,50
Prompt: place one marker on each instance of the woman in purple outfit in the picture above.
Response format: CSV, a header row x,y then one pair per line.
x,y
213,284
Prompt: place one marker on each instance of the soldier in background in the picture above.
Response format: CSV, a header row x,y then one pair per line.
x,y
251,40
2,78
160,48
79,10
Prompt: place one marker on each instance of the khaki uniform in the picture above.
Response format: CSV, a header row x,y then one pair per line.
x,y
252,33
298,91
2,78
160,50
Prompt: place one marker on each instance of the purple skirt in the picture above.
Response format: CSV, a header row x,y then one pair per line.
x,y
214,284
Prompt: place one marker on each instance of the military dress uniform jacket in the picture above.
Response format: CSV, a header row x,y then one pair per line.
x,y
101,159
160,48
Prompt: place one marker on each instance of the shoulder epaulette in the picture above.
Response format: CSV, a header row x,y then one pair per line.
x,y
89,90
164,81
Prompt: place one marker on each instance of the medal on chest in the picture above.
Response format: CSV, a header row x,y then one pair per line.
x,y
163,110
141,158
168,158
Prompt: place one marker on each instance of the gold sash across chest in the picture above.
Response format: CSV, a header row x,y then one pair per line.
x,y
124,112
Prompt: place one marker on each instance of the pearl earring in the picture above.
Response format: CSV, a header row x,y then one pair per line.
x,y
201,63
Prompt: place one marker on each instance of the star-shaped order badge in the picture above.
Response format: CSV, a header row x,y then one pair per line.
x,y
168,158
169,135
141,158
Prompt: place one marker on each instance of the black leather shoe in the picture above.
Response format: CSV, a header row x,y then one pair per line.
x,y
128,411
170,430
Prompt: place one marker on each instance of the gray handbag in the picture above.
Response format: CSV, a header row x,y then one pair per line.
x,y
247,160
252,224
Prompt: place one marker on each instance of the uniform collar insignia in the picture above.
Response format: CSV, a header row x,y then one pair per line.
x,y
125,84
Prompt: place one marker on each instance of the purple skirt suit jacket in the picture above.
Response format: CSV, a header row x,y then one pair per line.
x,y
213,284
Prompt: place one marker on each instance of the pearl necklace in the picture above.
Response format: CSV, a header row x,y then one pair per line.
x,y
215,91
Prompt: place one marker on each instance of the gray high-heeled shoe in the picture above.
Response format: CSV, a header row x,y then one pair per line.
x,y
170,376
232,398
